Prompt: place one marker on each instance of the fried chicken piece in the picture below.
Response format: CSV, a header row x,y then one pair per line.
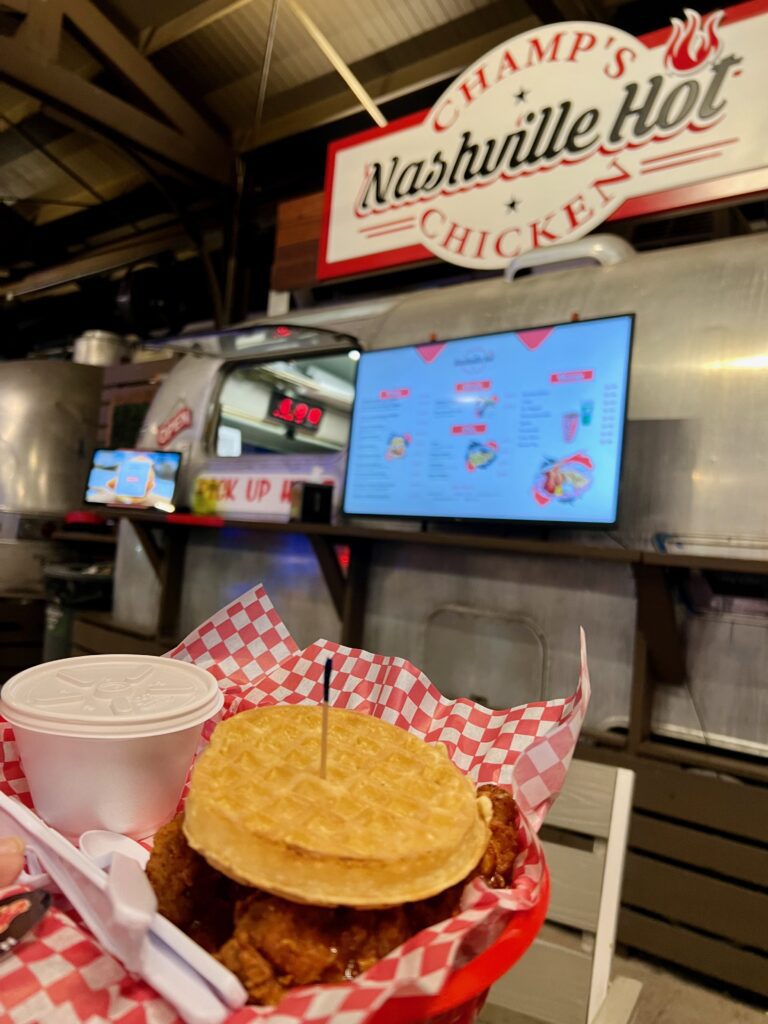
x,y
176,873
272,944
254,972
259,937
366,936
278,944
190,893
498,861
297,940
495,866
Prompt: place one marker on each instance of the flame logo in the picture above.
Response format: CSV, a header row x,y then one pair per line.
x,y
693,42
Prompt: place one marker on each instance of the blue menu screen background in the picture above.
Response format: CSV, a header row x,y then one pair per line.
x,y
520,425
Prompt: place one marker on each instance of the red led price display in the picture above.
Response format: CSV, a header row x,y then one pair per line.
x,y
308,415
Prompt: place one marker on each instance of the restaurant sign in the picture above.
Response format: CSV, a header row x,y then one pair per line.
x,y
251,495
181,419
550,134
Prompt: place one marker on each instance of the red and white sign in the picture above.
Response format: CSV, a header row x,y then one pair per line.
x,y
550,134
181,419
469,428
395,393
256,495
571,376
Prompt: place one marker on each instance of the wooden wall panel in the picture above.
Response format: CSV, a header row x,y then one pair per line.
x,y
297,243
697,865
697,900
705,801
722,855
699,952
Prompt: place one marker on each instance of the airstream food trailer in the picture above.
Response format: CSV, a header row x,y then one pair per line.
x,y
503,627
50,415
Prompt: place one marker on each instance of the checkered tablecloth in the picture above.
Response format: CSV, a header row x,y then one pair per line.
x,y
60,976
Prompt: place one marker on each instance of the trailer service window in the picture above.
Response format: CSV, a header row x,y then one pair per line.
x,y
286,406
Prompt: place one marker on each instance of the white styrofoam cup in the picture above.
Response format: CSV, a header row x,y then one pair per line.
x,y
106,741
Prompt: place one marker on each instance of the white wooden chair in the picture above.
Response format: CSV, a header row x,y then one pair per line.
x,y
564,978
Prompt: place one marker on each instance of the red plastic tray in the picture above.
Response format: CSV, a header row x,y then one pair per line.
x,y
464,994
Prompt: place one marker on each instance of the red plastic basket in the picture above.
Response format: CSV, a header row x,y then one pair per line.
x,y
462,998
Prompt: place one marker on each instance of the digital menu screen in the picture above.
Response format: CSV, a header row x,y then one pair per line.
x,y
133,478
522,425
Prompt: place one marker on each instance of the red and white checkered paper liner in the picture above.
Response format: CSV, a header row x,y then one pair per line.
x,y
60,976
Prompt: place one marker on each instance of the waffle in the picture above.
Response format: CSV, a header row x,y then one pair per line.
x,y
393,821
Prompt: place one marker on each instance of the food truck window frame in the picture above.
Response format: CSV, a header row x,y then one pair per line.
x,y
527,525
331,343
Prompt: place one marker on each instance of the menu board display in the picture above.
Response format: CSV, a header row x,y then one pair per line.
x,y
522,425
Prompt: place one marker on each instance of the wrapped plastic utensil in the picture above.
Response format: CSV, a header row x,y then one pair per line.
x,y
119,909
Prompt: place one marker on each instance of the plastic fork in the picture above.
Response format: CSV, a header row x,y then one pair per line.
x,y
119,908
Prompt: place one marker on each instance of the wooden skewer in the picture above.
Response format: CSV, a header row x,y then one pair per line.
x,y
324,734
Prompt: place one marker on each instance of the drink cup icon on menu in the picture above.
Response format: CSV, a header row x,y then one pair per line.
x,y
570,426
587,408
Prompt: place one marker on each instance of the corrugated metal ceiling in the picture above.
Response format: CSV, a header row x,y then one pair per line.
x,y
32,157
231,48
33,176
375,39
221,63
211,51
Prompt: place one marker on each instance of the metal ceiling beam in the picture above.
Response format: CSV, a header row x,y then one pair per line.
x,y
301,112
103,260
61,88
43,201
140,72
266,65
173,199
233,275
60,240
186,139
338,64
159,37
23,132
41,30
99,135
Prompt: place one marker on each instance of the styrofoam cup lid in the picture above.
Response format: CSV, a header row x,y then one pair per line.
x,y
111,696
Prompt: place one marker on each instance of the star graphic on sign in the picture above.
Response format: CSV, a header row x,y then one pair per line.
x,y
512,204
520,96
